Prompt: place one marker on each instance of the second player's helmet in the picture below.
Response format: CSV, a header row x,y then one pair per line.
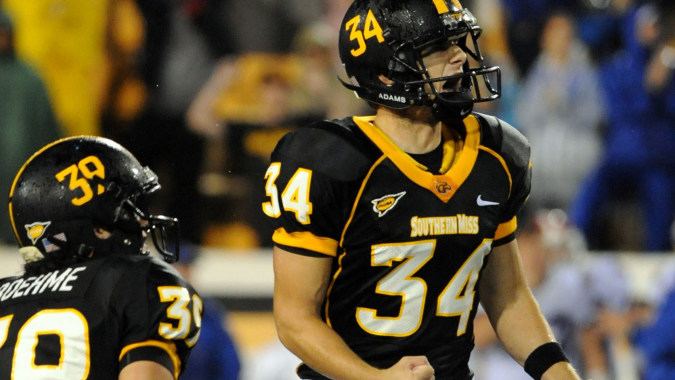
x,y
389,37
74,185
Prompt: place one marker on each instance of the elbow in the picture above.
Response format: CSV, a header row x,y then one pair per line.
x,y
284,331
288,325
296,324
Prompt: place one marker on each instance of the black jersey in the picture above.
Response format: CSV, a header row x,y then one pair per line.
x,y
88,320
409,243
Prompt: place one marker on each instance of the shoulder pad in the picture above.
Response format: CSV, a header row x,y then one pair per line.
x,y
142,263
126,260
503,138
336,148
147,270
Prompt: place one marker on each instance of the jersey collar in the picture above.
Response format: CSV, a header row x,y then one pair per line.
x,y
444,185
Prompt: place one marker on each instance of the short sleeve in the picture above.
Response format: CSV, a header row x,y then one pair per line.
x,y
161,316
516,152
309,188
509,222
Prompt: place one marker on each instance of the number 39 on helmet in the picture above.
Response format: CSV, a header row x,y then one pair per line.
x,y
75,185
389,37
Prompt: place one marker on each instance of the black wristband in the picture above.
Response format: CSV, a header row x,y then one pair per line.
x,y
542,358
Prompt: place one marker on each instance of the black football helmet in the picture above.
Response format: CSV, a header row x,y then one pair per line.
x,y
389,37
74,185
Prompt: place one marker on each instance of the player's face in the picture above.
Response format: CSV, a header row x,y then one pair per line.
x,y
445,60
5,42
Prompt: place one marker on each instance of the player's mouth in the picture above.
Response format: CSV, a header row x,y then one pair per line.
x,y
452,85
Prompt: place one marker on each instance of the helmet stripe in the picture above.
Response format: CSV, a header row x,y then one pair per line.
x,y
441,6
18,175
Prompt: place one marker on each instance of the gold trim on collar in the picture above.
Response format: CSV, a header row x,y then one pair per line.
x,y
442,185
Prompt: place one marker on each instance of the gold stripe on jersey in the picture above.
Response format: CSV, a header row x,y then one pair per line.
x,y
358,197
443,185
441,6
344,232
507,228
502,162
169,348
306,240
330,289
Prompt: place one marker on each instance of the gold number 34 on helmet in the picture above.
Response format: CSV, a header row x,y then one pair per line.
x,y
371,29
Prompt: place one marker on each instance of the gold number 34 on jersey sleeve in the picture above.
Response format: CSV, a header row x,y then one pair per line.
x,y
294,198
456,299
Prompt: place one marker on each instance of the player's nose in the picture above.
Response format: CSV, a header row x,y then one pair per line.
x,y
456,55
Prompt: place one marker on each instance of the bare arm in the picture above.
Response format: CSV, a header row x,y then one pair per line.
x,y
145,370
483,334
513,311
593,353
300,284
201,116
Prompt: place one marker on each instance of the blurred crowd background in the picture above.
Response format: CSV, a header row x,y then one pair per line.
x,y
201,91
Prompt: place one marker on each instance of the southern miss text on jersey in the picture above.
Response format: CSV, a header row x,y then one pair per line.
x,y
89,320
409,244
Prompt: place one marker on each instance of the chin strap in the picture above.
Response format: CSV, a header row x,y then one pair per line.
x,y
456,107
382,96
119,242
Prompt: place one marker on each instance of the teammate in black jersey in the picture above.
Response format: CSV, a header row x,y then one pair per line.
x,y
391,228
92,303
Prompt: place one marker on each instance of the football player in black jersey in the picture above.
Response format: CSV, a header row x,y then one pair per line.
x,y
92,303
391,228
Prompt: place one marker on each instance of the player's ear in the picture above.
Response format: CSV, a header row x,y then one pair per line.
x,y
101,233
385,79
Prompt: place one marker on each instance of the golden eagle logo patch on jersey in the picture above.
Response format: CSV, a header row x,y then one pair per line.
x,y
442,187
36,230
383,204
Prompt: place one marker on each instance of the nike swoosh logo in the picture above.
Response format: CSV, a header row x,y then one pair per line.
x,y
481,202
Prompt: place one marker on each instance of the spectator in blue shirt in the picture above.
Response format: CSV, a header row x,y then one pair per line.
x,y
639,93
656,342
649,332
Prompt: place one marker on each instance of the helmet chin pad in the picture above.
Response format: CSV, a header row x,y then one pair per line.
x,y
120,242
452,105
